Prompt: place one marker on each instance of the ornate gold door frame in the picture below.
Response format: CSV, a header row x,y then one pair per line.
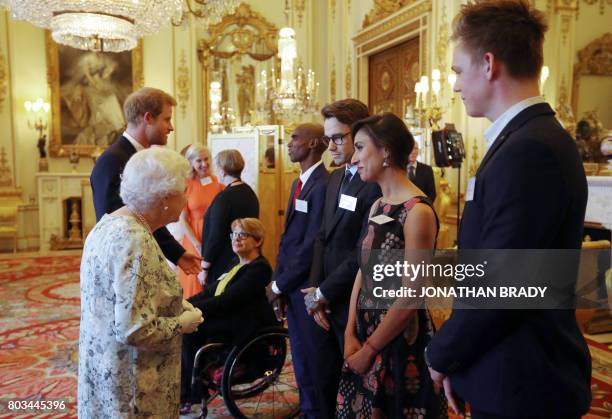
x,y
392,27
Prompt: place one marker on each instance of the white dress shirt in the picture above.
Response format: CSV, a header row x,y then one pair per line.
x,y
500,123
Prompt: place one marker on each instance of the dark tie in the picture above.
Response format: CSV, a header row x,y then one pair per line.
x,y
411,173
345,182
297,191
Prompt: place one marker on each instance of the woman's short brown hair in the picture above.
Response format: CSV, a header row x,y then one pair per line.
x,y
231,162
388,131
512,30
147,99
252,226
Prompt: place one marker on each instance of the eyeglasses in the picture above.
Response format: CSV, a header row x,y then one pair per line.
x,y
337,139
239,235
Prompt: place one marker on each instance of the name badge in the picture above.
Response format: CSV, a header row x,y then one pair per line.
x,y
301,206
348,202
471,185
381,219
205,181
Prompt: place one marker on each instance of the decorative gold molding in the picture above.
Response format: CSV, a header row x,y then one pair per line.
x,y
592,60
6,175
332,7
565,27
348,76
3,79
564,111
300,6
382,9
249,34
348,5
442,45
569,5
183,83
332,81
367,47
602,5
402,16
475,159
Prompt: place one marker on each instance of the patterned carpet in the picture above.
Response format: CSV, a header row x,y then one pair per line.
x,y
39,329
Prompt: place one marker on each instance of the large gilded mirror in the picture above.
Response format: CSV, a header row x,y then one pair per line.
x,y
592,85
233,55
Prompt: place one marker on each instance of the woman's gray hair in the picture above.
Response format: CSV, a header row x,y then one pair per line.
x,y
151,175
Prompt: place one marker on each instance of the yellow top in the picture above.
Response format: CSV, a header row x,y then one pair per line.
x,y
226,279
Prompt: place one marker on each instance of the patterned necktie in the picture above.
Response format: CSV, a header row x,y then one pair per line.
x,y
297,191
411,172
345,182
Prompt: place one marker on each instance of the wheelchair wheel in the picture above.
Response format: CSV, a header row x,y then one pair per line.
x,y
258,379
209,361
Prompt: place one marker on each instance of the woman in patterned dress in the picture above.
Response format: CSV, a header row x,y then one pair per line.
x,y
385,374
132,310
202,188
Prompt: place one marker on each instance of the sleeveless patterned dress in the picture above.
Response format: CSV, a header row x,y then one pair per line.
x,y
398,381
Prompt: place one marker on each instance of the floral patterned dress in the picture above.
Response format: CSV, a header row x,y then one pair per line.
x,y
130,341
398,382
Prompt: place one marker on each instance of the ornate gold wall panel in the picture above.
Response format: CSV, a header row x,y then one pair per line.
x,y
3,79
183,83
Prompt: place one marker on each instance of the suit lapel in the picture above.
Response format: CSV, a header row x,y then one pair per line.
x,y
517,122
290,203
127,147
354,187
305,189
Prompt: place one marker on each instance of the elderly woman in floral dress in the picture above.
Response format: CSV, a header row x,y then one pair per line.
x,y
132,311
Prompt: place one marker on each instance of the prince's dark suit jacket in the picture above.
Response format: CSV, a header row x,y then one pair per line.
x,y
530,193
105,181
334,264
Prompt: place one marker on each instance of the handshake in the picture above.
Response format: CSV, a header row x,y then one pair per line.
x,y
190,319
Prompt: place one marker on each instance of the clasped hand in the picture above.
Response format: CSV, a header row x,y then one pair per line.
x,y
191,318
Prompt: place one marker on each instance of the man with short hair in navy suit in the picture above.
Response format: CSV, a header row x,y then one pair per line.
x,y
302,222
529,192
148,112
347,204
421,174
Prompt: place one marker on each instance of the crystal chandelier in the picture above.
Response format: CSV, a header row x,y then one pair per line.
x,y
295,92
211,11
97,25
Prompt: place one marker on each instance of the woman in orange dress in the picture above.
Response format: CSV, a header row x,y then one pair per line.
x,y
202,187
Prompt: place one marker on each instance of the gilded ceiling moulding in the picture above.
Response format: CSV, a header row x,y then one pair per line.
x,y
409,11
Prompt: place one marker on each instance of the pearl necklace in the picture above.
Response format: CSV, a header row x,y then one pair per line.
x,y
140,218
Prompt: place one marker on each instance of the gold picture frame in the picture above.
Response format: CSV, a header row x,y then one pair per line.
x,y
87,92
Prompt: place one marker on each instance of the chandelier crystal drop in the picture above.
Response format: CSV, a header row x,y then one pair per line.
x,y
97,25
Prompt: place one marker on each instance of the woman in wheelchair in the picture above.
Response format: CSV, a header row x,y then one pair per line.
x,y
235,307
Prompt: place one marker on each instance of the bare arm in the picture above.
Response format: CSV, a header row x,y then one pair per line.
x,y
189,231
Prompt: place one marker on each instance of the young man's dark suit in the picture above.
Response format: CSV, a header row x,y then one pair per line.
x,y
105,181
334,268
291,276
530,193
424,180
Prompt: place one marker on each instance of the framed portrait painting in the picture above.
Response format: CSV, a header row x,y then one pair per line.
x,y
87,93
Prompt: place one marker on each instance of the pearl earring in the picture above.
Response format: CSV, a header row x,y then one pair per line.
x,y
166,208
385,163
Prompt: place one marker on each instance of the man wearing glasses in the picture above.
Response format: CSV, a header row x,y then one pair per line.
x,y
347,203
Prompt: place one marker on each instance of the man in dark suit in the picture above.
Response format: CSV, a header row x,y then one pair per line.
x,y
421,174
347,203
148,112
529,193
302,222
